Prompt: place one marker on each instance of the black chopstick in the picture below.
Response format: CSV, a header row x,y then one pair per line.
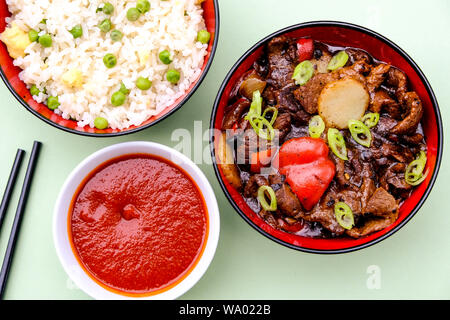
x,y
10,185
18,217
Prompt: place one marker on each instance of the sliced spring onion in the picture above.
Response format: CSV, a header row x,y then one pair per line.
x,y
259,123
360,132
339,60
371,119
344,215
303,72
337,143
274,114
262,192
256,106
316,126
414,171
262,127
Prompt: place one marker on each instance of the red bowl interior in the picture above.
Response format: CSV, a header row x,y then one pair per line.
x,y
382,49
11,77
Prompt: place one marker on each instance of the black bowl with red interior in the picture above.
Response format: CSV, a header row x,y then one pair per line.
x,y
10,75
338,34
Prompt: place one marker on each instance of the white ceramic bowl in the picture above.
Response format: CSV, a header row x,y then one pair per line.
x,y
61,212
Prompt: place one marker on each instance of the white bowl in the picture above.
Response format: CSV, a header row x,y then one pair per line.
x,y
61,213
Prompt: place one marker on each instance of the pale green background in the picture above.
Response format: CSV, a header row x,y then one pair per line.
x,y
414,262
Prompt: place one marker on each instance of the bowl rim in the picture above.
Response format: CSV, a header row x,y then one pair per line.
x,y
140,128
411,62
85,281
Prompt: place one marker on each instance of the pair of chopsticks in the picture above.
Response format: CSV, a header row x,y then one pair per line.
x,y
20,206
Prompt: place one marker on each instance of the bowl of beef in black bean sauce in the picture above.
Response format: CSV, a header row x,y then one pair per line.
x,y
327,137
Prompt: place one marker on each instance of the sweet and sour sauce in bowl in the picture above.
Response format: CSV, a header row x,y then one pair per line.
x,y
142,224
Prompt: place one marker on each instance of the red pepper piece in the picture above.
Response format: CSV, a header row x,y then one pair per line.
x,y
302,150
261,159
305,48
304,161
294,227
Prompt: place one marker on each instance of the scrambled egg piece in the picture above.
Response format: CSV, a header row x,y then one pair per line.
x,y
16,40
143,55
73,78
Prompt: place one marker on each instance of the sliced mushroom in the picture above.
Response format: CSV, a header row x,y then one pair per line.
x,y
234,113
414,114
398,80
380,100
377,76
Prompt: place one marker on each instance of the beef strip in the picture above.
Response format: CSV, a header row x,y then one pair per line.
x,y
356,71
301,117
234,113
269,218
281,54
275,179
358,54
397,152
283,125
323,213
372,225
253,184
381,203
286,99
393,178
351,198
270,95
414,139
341,177
287,201
309,93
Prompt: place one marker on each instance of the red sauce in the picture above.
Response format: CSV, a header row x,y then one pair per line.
x,y
138,224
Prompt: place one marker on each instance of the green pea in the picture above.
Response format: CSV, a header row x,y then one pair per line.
x,y
109,60
164,56
118,98
173,76
124,89
46,40
53,103
116,35
203,36
101,123
34,91
143,6
133,14
105,25
76,31
143,83
108,8
33,35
